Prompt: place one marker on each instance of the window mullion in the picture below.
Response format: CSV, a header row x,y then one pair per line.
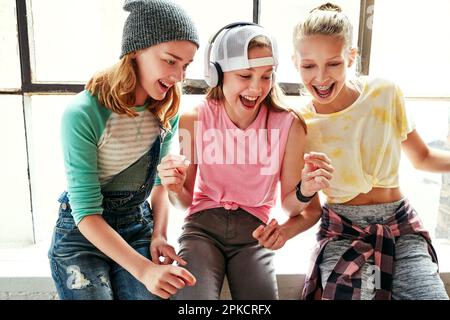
x,y
365,34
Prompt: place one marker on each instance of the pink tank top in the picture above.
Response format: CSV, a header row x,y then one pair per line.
x,y
238,168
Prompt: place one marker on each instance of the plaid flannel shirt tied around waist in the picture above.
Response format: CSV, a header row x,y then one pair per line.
x,y
377,240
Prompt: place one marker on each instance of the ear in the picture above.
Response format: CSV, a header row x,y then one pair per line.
x,y
133,55
352,56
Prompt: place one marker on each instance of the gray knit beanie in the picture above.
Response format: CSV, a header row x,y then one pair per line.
x,y
151,22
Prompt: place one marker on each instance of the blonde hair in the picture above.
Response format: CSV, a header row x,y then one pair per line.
x,y
115,89
327,19
273,99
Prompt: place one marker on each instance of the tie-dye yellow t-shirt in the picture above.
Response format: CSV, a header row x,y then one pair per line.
x,y
363,140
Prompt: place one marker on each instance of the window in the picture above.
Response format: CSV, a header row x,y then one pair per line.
x,y
291,12
16,216
409,45
209,18
70,40
9,52
47,174
74,39
422,188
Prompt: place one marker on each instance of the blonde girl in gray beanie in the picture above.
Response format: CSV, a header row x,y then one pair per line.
x,y
109,242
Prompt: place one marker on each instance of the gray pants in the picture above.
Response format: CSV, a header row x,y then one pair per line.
x,y
415,275
218,242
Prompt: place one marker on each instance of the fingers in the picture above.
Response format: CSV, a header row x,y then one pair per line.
x,y
155,255
316,156
172,171
270,241
173,179
172,256
317,173
173,175
172,161
171,156
269,230
185,275
162,293
279,243
269,235
173,284
262,230
311,165
322,182
258,232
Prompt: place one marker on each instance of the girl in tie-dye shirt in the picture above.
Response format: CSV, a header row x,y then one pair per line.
x,y
371,241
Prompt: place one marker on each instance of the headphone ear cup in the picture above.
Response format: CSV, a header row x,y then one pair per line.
x,y
212,77
215,75
219,74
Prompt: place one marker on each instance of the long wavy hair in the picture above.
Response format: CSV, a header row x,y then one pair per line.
x,y
115,88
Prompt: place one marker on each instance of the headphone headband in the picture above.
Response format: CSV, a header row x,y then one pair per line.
x,y
230,26
213,72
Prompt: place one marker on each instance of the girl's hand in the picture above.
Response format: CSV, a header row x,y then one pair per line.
x,y
172,172
316,173
159,248
165,280
271,236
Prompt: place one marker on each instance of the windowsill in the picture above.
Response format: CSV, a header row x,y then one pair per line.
x,y
32,261
25,272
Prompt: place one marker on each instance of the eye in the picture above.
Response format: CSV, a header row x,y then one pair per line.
x,y
170,62
307,66
267,77
185,66
245,76
334,64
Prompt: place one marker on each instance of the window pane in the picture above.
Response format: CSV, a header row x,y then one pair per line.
x,y
281,20
74,39
46,162
16,227
415,50
9,48
422,188
71,47
209,20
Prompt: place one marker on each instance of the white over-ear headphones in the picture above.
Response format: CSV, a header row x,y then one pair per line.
x,y
213,71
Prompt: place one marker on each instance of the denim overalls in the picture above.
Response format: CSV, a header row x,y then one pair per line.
x,y
79,269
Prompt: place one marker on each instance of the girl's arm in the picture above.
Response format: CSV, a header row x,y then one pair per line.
x,y
159,246
177,175
162,280
424,158
314,169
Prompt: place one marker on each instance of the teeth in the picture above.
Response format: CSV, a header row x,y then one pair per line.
x,y
250,98
164,83
323,87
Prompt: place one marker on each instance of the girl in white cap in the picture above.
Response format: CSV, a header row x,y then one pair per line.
x,y
237,145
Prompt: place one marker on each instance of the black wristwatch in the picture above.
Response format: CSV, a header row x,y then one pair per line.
x,y
299,194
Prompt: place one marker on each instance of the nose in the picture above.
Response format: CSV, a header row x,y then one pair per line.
x,y
321,76
178,75
255,86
